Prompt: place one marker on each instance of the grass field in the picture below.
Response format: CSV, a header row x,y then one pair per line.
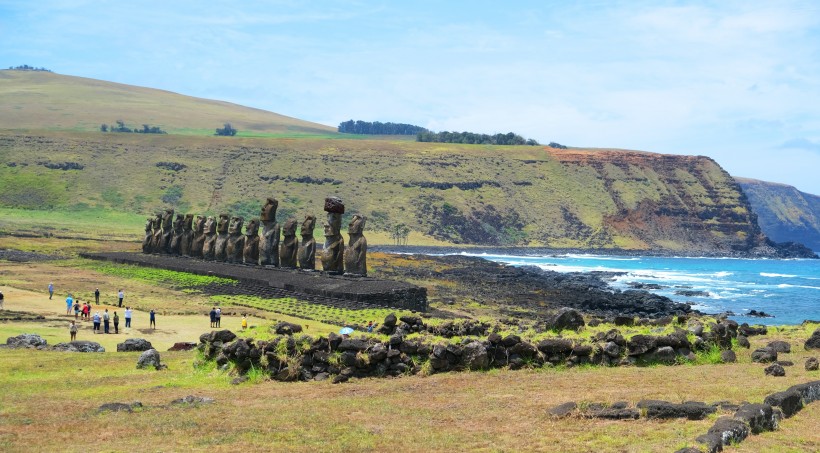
x,y
47,394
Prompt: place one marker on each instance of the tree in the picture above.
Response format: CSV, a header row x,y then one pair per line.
x,y
104,127
228,130
399,234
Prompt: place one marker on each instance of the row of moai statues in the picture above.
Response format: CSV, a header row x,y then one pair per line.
x,y
222,239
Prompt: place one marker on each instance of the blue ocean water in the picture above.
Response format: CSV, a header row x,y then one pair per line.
x,y
787,289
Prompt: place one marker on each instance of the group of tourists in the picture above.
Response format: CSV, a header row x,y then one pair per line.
x,y
216,317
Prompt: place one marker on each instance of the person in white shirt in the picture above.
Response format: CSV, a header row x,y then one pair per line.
x,y
127,316
121,296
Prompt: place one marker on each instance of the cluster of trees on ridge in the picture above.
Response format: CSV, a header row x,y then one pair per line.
x,y
227,130
378,128
474,139
121,127
26,67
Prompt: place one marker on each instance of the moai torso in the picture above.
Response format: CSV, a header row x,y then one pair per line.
x,y
176,238
289,245
269,244
167,230
209,239
236,241
187,235
149,235
220,247
356,251
333,250
156,241
306,254
250,252
198,241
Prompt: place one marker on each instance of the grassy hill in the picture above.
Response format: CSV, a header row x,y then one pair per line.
x,y
784,213
45,100
56,159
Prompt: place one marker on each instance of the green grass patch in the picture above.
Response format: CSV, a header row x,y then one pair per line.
x,y
148,274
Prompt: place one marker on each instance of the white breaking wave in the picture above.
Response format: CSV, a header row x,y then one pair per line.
x,y
770,274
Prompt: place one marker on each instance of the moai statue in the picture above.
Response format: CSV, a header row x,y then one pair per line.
x,y
167,230
356,250
156,241
198,241
236,241
307,249
289,245
149,235
187,235
269,245
250,253
334,248
209,239
176,238
221,244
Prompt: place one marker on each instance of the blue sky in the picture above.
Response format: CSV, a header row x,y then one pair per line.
x,y
735,81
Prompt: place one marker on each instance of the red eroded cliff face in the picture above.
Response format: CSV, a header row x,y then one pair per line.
x,y
672,202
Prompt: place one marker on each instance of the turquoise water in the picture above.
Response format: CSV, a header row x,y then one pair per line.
x,y
787,289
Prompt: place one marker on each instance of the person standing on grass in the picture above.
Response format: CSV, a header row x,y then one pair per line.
x,y
213,317
128,317
50,290
69,304
121,296
244,322
96,322
76,309
218,317
72,329
152,317
1,301
106,320
86,311
97,296
116,323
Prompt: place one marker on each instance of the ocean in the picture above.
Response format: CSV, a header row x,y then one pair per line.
x,y
789,290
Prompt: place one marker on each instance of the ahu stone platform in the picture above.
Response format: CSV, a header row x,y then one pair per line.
x,y
265,281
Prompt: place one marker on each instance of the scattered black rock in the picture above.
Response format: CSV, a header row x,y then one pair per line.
x,y
814,341
563,410
62,165
26,340
812,364
192,400
775,370
759,314
173,166
780,346
743,342
79,346
764,355
747,330
150,358
287,328
692,293
239,380
691,410
790,402
182,346
134,344
119,407
565,319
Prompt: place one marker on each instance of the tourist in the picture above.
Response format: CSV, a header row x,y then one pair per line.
x,y
50,290
116,323
96,320
218,317
152,317
244,322
106,319
128,317
86,311
121,296
72,329
213,317
76,309
370,327
69,304
1,300
97,296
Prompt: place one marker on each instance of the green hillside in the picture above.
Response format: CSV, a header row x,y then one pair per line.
x,y
56,160
784,213
45,100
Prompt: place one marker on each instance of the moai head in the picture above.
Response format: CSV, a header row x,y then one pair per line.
x,y
149,224
252,228
222,224
269,210
179,223
167,219
199,224
236,225
333,226
289,228
188,222
210,226
356,225
157,222
308,225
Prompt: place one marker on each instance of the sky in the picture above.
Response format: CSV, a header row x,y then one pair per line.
x,y
738,81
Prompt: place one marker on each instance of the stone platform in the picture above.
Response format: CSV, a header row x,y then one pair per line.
x,y
265,281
